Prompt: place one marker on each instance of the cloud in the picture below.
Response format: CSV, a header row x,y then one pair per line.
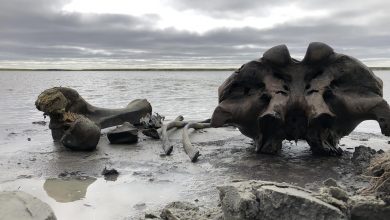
x,y
40,34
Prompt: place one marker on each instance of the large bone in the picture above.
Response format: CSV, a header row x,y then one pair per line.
x,y
59,103
319,99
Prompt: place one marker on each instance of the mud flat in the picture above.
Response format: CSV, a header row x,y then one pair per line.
x,y
73,185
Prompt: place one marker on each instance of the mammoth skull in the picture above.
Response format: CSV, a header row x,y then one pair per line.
x,y
319,99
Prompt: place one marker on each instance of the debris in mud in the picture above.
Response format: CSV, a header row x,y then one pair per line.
x,y
362,157
110,174
124,134
39,123
28,139
379,172
151,216
151,132
152,121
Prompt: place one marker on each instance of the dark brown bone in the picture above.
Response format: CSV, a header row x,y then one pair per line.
x,y
64,106
319,99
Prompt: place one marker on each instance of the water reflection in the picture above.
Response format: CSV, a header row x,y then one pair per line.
x,y
68,189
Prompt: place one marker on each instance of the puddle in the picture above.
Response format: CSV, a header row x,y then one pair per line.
x,y
67,190
91,198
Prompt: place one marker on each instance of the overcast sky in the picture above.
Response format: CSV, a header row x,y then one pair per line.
x,y
184,33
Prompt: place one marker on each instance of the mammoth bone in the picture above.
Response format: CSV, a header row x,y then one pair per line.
x,y
77,124
319,99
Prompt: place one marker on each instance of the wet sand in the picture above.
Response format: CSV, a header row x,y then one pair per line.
x,y
72,183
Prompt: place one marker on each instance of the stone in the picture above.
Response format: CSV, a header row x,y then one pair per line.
x,y
330,182
368,208
270,200
362,156
19,205
180,210
124,134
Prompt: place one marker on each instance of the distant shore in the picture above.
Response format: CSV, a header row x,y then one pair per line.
x,y
149,69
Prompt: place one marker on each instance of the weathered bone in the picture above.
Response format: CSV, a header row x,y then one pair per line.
x,y
319,99
65,106
191,151
166,144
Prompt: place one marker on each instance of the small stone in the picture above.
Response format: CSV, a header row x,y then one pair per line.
x,y
150,215
28,139
110,174
330,182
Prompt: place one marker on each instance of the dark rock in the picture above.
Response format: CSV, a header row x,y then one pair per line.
x,y
110,174
124,134
20,205
151,216
39,122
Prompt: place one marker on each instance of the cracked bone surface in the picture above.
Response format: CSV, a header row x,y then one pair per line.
x,y
77,124
319,99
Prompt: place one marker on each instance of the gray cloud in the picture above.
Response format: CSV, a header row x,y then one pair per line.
x,y
39,31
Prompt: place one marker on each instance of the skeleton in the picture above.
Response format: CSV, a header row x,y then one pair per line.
x,y
319,99
76,123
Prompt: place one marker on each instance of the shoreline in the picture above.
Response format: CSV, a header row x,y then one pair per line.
x,y
151,69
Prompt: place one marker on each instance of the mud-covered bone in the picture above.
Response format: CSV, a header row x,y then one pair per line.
x,y
82,134
64,105
124,134
319,99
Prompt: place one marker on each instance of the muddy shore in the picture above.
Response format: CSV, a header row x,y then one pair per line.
x,y
73,185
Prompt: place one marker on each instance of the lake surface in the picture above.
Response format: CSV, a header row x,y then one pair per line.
x,y
192,94
31,162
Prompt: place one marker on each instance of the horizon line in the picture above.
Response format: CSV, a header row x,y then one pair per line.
x,y
142,69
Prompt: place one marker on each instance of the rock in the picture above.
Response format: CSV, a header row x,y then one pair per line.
x,y
187,211
39,122
180,210
362,157
22,206
151,216
124,134
368,208
270,200
330,182
110,174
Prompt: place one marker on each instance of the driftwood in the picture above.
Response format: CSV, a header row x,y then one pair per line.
x,y
191,151
319,99
65,106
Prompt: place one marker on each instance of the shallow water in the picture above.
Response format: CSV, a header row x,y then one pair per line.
x,y
190,93
36,162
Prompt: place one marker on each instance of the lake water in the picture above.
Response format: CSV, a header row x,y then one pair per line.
x,y
30,161
192,94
